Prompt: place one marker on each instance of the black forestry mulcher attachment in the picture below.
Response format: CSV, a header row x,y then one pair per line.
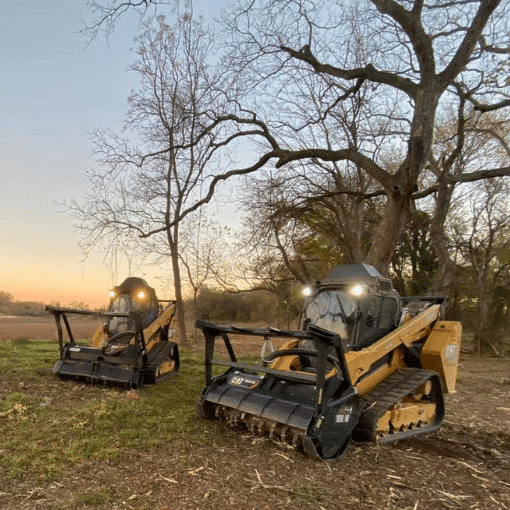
x,y
133,347
367,365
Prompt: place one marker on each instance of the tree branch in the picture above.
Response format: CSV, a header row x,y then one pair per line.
x,y
369,72
490,108
473,34
480,175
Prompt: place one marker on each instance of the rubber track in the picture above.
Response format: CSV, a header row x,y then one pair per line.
x,y
388,394
158,355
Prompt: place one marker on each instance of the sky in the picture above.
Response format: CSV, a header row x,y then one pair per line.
x,y
54,92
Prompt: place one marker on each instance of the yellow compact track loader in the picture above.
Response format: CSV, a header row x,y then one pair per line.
x,y
366,366
133,347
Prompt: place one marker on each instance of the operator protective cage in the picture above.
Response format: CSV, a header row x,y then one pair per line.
x,y
355,302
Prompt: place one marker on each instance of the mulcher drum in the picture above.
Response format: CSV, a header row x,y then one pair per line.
x,y
79,362
128,368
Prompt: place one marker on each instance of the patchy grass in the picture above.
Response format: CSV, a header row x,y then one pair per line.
x,y
51,425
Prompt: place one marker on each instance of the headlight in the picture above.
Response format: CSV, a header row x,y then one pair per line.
x,y
358,290
141,295
307,291
112,294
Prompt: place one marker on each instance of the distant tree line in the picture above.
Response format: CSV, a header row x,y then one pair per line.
x,y
19,308
8,306
261,307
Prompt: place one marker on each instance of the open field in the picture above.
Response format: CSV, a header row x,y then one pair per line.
x,y
43,328
67,445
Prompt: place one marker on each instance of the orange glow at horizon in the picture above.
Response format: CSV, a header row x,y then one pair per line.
x,y
66,283
91,295
64,298
61,280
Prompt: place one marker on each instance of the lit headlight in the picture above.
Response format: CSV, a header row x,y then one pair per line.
x,y
112,294
358,290
141,295
307,291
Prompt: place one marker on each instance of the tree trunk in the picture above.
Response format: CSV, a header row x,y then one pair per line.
x,y
403,184
483,315
179,305
388,232
447,268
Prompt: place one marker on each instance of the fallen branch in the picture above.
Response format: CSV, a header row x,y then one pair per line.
x,y
454,497
168,479
470,467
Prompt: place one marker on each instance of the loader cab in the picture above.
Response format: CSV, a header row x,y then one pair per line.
x,y
133,294
355,302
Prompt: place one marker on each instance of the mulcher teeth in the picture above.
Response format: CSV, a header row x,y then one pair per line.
x,y
258,426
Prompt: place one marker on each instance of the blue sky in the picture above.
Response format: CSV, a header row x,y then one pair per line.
x,y
54,91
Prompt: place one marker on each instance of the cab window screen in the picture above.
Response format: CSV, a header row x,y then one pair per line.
x,y
332,310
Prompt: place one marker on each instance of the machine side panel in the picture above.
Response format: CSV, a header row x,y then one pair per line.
x,y
441,352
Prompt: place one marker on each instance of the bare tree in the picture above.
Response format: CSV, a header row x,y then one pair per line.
x,y
317,213
430,45
464,142
103,17
204,252
482,235
143,185
308,218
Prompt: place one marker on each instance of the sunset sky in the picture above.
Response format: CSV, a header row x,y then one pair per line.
x,y
54,92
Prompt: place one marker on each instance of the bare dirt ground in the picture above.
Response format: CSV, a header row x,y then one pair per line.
x,y
43,328
465,465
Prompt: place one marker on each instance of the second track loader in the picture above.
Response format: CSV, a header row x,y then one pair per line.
x,y
133,347
366,366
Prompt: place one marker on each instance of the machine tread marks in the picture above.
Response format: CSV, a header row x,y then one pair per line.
x,y
162,353
389,394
